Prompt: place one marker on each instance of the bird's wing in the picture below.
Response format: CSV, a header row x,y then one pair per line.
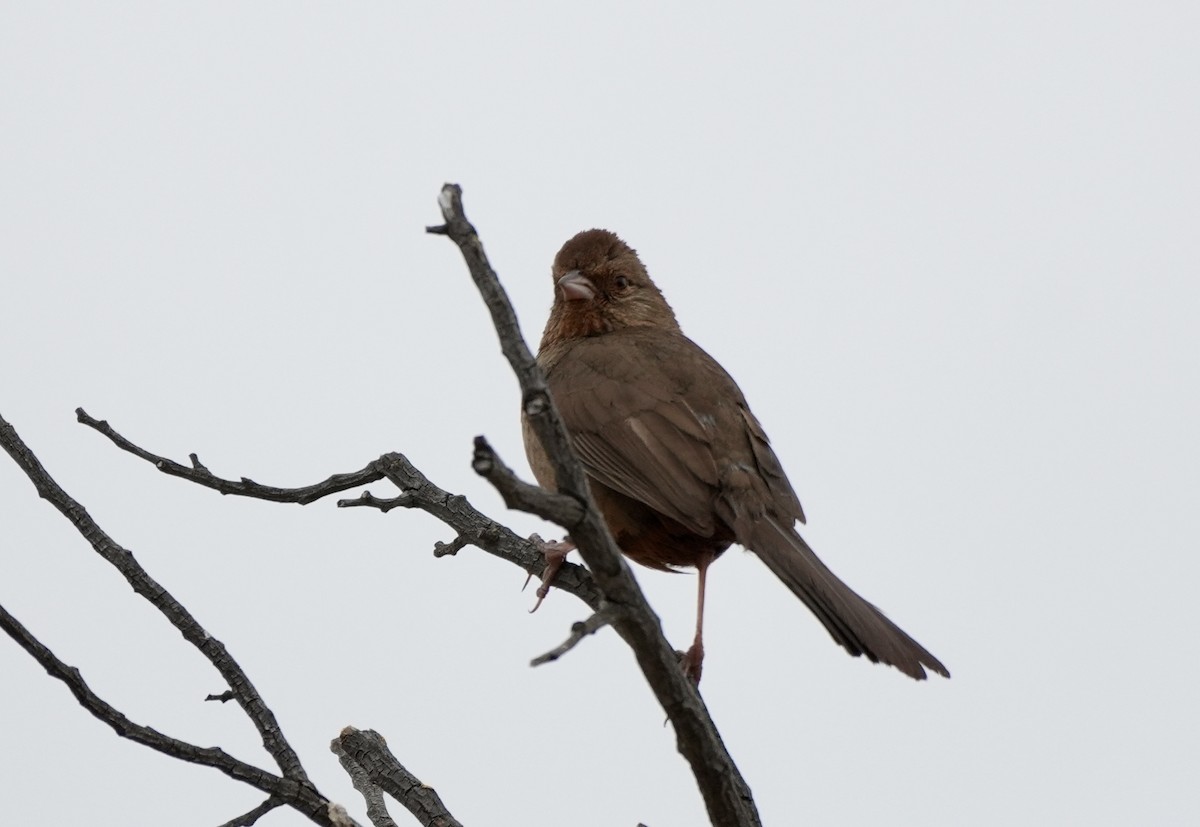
x,y
778,488
644,414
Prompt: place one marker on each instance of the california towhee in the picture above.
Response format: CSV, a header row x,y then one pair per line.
x,y
676,462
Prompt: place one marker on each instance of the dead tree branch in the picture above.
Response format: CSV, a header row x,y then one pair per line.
x,y
249,818
579,630
374,770
145,585
292,788
417,491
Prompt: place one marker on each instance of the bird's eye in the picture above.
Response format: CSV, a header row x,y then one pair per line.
x,y
621,283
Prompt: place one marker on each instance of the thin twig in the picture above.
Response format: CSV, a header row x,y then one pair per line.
x,y
245,487
518,494
451,548
579,630
248,819
383,505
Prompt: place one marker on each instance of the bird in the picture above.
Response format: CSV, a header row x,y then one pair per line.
x,y
678,466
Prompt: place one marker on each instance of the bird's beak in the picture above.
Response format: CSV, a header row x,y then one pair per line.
x,y
576,286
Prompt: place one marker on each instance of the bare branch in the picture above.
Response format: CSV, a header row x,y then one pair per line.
x,y
247,819
451,548
371,792
726,794
297,793
368,500
579,630
245,487
473,527
145,585
565,511
477,529
365,755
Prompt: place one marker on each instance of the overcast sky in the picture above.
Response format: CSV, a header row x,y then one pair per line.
x,y
948,250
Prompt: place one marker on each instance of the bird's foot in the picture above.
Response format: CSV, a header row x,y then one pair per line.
x,y
555,552
692,662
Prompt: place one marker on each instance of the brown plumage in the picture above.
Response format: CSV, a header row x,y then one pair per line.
x,y
677,463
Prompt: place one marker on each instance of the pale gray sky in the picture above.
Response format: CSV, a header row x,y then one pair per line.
x,y
948,250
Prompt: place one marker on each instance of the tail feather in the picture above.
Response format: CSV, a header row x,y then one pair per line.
x,y
854,623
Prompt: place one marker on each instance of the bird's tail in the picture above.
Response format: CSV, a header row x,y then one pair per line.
x,y
854,623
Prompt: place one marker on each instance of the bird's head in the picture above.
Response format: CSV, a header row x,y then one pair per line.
x,y
600,285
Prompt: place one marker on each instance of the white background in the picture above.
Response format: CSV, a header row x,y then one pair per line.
x,y
948,250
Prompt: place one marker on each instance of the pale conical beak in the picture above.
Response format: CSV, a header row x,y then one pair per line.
x,y
575,286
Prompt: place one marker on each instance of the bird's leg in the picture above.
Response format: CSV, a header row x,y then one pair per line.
x,y
693,659
555,553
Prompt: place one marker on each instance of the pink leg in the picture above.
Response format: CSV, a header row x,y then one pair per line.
x,y
556,554
693,658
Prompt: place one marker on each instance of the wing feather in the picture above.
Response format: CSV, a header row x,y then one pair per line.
x,y
645,427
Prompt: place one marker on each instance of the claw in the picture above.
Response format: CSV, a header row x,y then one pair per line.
x,y
555,553
692,662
